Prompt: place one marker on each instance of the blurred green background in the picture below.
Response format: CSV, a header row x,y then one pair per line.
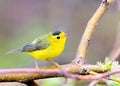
x,y
21,21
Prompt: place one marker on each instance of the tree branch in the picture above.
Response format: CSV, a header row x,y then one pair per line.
x,y
28,74
83,46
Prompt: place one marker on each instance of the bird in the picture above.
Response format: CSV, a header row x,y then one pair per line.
x,y
45,47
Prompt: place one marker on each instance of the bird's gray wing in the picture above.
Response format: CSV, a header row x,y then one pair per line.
x,y
31,47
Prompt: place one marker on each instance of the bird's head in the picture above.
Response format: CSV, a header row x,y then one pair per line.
x,y
58,37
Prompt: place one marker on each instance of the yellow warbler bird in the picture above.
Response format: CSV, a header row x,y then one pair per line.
x,y
45,47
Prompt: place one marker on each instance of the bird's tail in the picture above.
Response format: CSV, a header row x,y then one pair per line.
x,y
14,51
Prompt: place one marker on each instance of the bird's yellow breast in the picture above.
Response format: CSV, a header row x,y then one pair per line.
x,y
56,43
50,52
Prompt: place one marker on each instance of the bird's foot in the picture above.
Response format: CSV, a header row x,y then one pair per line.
x,y
55,63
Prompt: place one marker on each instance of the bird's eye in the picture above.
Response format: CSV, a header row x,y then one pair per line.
x,y
58,37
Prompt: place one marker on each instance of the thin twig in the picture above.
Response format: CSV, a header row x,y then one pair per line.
x,y
91,77
115,53
95,82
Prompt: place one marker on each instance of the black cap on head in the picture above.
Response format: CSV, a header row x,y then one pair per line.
x,y
56,33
